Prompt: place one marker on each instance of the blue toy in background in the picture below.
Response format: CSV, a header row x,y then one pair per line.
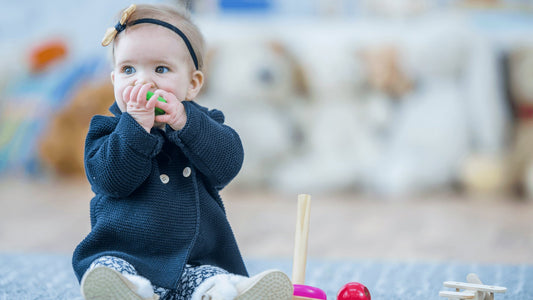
x,y
246,6
28,103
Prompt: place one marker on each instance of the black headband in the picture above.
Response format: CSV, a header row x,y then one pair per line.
x,y
120,27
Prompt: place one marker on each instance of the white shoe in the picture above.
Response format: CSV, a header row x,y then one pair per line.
x,y
102,283
268,285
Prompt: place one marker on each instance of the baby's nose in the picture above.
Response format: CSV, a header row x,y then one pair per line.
x,y
144,79
143,82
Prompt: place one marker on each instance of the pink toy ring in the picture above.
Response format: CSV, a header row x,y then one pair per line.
x,y
309,292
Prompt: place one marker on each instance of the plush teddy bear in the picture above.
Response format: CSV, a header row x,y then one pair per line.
x,y
400,117
259,86
384,70
436,125
348,111
520,164
62,145
454,115
416,156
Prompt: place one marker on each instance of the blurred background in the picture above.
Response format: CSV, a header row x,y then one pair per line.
x,y
409,121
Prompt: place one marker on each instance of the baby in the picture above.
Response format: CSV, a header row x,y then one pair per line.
x,y
158,224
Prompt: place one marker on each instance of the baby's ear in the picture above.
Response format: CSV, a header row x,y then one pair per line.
x,y
113,77
197,81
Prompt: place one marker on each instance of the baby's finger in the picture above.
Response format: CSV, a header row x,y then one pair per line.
x,y
158,102
142,93
126,94
162,118
165,106
169,97
152,102
134,93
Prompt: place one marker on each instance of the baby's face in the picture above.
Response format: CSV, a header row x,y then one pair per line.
x,y
148,53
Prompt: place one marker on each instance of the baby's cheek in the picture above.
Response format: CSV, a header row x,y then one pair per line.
x,y
121,104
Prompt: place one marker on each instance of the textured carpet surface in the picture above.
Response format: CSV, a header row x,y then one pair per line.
x,y
47,276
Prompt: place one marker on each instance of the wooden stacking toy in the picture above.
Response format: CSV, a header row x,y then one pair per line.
x,y
302,291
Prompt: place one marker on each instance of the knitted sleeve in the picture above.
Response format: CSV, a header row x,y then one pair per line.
x,y
118,154
214,148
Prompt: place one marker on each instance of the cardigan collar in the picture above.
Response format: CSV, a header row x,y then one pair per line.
x,y
114,109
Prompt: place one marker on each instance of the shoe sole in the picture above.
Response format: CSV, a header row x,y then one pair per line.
x,y
271,285
103,283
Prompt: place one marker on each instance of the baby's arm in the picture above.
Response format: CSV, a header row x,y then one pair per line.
x,y
118,154
215,149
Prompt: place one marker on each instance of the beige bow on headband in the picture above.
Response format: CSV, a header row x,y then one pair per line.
x,y
112,32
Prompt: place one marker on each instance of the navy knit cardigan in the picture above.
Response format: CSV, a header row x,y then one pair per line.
x,y
156,201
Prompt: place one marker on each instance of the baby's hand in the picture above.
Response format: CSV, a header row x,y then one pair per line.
x,y
137,106
175,114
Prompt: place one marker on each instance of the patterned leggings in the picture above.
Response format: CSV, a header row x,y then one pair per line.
x,y
191,278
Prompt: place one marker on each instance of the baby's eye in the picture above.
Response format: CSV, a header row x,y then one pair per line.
x,y
161,69
128,70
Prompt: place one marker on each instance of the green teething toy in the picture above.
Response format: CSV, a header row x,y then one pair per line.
x,y
158,111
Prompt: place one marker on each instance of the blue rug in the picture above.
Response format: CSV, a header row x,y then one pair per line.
x,y
48,276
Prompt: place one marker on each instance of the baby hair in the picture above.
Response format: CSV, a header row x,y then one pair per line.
x,y
176,16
